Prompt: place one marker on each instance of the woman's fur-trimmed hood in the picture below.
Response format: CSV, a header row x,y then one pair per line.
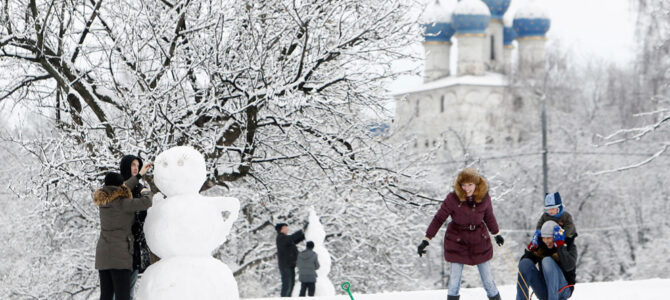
x,y
470,175
110,193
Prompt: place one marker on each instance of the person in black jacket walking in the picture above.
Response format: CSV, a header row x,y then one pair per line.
x,y
131,166
556,257
287,254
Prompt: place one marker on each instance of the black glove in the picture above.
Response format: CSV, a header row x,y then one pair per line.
x,y
422,246
499,240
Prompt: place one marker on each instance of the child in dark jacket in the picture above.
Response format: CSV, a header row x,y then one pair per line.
x,y
554,211
308,263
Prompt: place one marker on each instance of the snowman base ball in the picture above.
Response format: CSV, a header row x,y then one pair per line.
x,y
184,277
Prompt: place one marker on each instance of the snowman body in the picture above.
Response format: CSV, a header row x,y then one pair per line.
x,y
183,229
317,234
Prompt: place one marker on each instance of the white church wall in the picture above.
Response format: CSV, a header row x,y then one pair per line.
x,y
473,113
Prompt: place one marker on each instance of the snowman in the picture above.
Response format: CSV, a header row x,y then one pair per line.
x,y
184,229
317,234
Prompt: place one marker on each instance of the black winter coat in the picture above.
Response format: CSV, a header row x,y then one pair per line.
x,y
565,257
141,259
287,252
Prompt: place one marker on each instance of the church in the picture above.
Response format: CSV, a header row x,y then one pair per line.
x,y
473,98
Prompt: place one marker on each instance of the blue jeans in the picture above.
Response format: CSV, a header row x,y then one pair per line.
x,y
546,284
133,280
484,272
287,281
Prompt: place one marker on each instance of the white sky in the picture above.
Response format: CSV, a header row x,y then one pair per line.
x,y
592,29
599,28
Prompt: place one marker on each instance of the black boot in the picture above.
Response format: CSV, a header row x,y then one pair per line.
x,y
453,297
496,297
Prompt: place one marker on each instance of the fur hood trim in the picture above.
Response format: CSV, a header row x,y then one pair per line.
x,y
110,193
470,175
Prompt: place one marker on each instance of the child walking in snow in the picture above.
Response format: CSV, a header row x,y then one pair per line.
x,y
555,211
308,263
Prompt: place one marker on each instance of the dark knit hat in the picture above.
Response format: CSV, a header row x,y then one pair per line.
x,y
279,226
310,245
113,179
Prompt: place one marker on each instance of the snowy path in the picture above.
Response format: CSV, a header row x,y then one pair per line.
x,y
652,289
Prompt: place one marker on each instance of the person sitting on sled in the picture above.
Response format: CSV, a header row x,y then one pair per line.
x,y
548,265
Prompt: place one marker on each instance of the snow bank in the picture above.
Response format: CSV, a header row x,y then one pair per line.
x,y
651,289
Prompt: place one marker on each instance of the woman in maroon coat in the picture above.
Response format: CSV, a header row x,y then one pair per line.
x,y
467,240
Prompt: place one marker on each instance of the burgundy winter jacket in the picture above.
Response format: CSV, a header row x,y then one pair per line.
x,y
467,239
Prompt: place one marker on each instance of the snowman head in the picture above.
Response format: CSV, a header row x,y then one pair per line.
x,y
180,170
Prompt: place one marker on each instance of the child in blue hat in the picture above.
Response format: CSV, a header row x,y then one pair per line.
x,y
554,211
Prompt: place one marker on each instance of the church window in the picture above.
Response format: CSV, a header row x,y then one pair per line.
x,y
416,108
518,103
493,52
442,104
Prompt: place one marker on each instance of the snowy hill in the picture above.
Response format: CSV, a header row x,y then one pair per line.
x,y
651,289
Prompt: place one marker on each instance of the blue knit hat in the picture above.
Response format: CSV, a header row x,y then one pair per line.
x,y
553,200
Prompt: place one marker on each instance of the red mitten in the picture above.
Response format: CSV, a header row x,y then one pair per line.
x,y
559,236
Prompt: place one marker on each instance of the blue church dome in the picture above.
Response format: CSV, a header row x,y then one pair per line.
x,y
509,35
436,23
470,17
497,7
531,21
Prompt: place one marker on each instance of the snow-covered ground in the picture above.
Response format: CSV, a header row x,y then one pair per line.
x,y
651,289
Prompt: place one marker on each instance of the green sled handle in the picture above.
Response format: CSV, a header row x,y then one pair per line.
x,y
345,286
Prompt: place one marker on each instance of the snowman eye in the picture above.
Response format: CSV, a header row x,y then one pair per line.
x,y
180,162
164,164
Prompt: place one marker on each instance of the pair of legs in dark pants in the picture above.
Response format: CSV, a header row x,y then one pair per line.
x,y
114,284
287,281
546,285
309,287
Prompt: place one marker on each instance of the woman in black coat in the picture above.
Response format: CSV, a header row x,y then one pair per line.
x,y
130,166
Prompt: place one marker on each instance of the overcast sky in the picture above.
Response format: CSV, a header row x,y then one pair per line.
x,y
601,28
